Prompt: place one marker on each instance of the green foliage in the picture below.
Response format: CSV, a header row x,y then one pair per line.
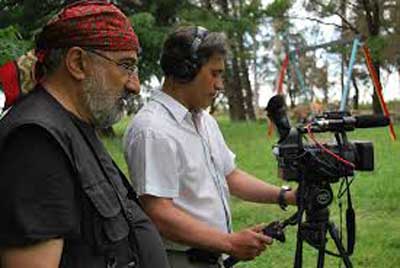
x,y
205,18
11,44
377,46
330,7
151,37
279,7
27,15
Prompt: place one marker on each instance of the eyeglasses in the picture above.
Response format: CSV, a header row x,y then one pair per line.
x,y
129,68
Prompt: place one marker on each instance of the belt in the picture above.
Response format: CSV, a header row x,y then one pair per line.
x,y
204,256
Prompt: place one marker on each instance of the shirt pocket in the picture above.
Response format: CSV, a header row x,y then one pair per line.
x,y
108,222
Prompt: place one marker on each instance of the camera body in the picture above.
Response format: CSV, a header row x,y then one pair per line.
x,y
327,162
297,160
315,166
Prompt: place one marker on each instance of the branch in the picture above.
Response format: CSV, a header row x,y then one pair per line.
x,y
345,21
341,16
314,19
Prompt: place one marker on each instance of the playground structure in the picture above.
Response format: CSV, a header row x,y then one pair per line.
x,y
292,59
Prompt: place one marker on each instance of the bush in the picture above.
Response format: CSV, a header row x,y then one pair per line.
x,y
11,44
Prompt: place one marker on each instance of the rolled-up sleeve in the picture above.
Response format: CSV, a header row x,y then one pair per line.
x,y
152,162
229,161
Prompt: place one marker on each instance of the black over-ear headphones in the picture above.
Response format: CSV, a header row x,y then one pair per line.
x,y
187,69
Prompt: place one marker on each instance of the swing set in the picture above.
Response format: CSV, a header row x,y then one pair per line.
x,y
291,58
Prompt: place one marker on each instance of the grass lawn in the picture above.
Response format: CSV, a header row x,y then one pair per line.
x,y
375,197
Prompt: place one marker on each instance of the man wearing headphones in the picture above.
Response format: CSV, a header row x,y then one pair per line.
x,y
180,164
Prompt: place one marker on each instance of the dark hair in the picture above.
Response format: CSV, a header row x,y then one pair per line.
x,y
178,58
51,61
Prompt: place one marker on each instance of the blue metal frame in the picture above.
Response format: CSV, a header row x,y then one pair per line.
x,y
345,94
346,91
303,88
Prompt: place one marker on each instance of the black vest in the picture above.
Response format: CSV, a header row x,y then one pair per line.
x,y
107,236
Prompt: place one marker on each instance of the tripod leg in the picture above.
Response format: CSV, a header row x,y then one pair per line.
x,y
301,201
322,246
298,261
335,236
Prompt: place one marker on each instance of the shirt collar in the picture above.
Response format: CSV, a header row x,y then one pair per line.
x,y
176,109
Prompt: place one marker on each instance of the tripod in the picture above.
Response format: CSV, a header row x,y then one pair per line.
x,y
315,234
314,200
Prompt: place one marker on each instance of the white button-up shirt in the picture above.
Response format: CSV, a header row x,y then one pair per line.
x,y
168,156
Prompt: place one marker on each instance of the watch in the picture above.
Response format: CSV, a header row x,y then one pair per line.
x,y
281,197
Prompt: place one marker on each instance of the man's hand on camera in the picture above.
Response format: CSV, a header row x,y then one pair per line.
x,y
249,243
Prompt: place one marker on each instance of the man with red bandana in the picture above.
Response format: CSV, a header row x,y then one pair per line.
x,y
63,201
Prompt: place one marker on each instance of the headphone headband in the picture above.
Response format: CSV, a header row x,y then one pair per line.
x,y
199,35
186,64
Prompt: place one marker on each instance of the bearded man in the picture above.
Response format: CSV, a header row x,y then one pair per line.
x,y
64,203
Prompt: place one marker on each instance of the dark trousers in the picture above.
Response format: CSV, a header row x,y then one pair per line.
x,y
180,259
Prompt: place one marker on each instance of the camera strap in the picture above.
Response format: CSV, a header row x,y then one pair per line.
x,y
350,222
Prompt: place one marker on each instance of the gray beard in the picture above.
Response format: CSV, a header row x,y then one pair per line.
x,y
105,107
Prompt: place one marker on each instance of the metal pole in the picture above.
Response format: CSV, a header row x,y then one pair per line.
x,y
345,94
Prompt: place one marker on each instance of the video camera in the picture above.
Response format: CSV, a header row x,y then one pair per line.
x,y
329,161
315,166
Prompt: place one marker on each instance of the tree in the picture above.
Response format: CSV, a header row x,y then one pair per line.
x,y
222,15
285,39
151,36
375,19
11,44
243,89
152,19
28,15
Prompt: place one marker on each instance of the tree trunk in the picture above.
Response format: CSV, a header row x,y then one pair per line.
x,y
357,93
376,105
343,53
256,96
291,86
234,90
250,113
372,14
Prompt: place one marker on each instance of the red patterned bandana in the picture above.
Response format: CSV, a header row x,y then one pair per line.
x,y
92,24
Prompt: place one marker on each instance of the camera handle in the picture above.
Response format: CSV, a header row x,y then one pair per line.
x,y
274,229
